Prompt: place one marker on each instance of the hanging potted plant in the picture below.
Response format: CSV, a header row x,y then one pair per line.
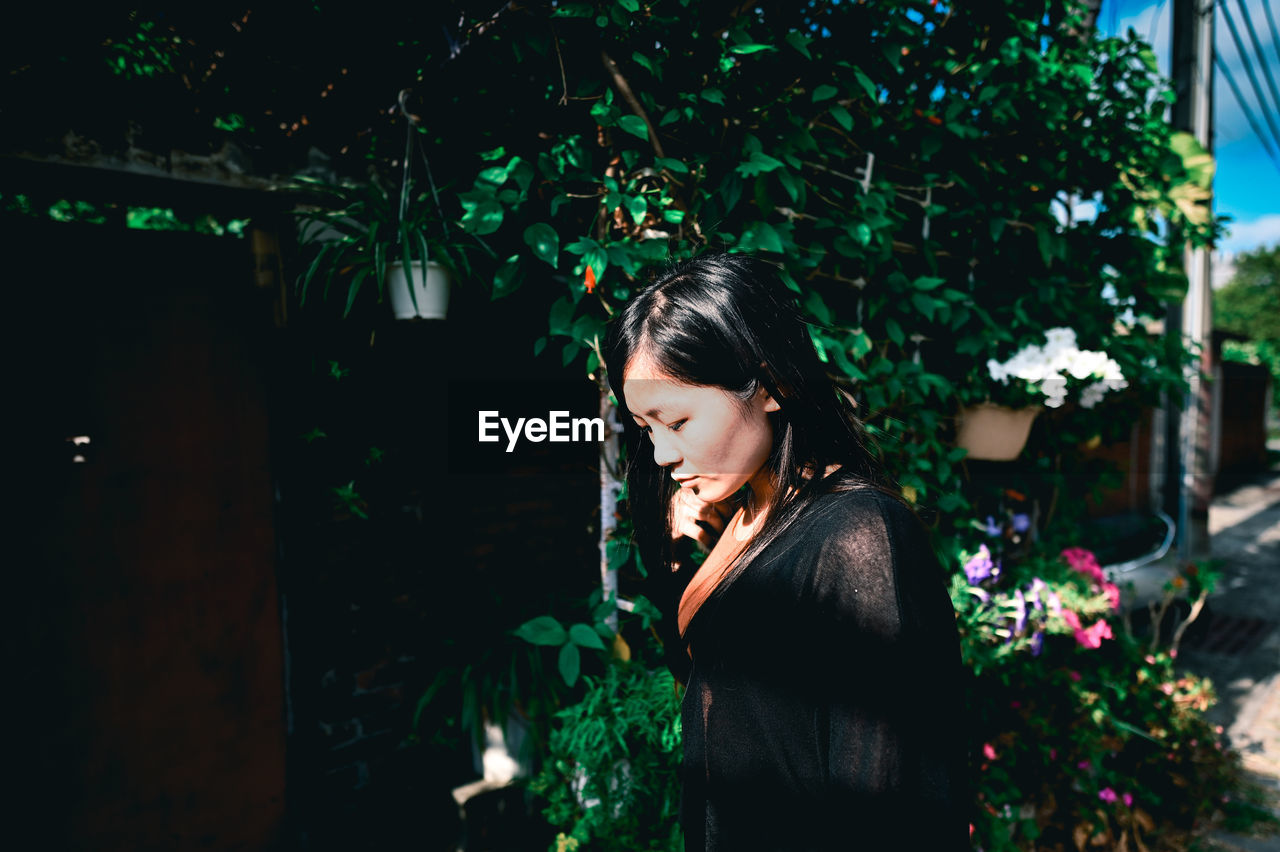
x,y
364,232
995,426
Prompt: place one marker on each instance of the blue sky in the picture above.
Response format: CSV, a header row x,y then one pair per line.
x,y
1247,183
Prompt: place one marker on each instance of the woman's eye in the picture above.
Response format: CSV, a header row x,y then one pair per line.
x,y
678,425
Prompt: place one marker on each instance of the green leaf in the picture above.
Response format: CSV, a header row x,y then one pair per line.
x,y
800,43
865,82
573,10
543,630
924,305
569,352
495,154
634,125
560,319
894,331
671,164
637,207
842,116
924,282
819,345
816,306
570,663
617,551
758,163
821,93
506,279
997,228
484,217
539,345
761,235
859,343
713,95
643,61
630,5
544,241
675,216
792,183
583,636
745,49
1044,242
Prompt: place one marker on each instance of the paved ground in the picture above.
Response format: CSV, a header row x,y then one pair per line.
x,y
1244,527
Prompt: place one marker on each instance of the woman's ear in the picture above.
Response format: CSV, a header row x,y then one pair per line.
x,y
766,400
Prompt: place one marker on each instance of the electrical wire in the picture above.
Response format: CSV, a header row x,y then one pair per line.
x,y
1271,23
1257,47
1248,113
1248,67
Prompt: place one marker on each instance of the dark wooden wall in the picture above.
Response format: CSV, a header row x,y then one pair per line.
x,y
144,649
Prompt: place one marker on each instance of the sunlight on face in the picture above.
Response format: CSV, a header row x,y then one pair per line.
x,y
707,439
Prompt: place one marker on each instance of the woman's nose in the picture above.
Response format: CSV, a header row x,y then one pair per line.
x,y
664,453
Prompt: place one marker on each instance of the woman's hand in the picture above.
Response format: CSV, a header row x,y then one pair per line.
x,y
699,520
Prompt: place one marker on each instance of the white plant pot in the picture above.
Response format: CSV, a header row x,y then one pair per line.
x,y
507,752
430,290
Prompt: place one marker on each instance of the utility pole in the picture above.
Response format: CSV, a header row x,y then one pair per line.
x,y
1188,480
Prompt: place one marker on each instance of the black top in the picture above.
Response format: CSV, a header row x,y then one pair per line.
x,y
824,708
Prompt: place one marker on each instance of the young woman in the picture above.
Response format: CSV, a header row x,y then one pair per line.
x,y
823,705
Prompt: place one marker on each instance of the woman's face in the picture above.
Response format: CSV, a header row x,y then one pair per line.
x,y
708,441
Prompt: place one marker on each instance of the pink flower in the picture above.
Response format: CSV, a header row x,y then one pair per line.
x,y
1092,637
1127,798
1053,754
1075,676
1113,594
988,751
1166,688
1072,620
1084,764
1108,795
1084,562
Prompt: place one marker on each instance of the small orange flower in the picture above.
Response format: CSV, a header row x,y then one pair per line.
x,y
590,281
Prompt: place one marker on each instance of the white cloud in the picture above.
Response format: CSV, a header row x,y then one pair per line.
x,y
1262,232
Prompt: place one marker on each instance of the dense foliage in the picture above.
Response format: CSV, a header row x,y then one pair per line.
x,y
914,169
941,185
1249,306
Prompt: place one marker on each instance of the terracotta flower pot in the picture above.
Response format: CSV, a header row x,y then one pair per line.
x,y
994,432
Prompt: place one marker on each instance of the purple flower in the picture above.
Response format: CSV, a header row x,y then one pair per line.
x,y
1020,613
980,567
1127,798
1107,795
1037,587
1055,604
993,529
1037,643
1021,522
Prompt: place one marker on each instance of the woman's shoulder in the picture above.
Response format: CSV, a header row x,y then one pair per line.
x,y
862,511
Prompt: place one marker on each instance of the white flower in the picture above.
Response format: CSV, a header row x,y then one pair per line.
x,y
1044,369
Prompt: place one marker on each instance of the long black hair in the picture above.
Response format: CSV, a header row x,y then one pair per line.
x,y
727,321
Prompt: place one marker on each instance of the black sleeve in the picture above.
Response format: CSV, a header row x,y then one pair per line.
x,y
894,730
664,589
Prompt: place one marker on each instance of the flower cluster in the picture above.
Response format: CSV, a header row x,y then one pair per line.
x,y
1045,368
1084,562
